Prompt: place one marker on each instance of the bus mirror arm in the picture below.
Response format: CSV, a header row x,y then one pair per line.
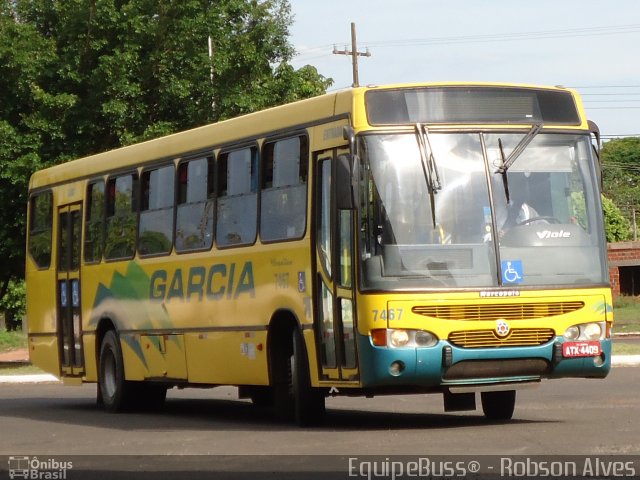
x,y
350,135
595,131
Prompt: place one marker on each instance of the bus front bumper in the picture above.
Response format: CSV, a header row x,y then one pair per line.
x,y
447,365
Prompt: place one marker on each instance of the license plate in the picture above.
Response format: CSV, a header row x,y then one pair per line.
x,y
581,349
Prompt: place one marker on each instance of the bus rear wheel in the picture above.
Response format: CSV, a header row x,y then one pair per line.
x,y
498,405
116,394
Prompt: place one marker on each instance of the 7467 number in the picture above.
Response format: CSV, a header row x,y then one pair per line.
x,y
387,314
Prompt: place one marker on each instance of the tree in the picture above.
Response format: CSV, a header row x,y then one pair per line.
x,y
141,68
621,173
82,76
29,110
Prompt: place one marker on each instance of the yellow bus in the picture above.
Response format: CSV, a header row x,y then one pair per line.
x,y
418,238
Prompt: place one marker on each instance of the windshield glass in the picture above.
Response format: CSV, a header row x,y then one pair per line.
x,y
548,233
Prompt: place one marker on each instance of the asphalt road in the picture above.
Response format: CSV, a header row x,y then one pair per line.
x,y
572,416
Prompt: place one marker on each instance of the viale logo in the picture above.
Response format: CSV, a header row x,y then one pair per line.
x,y
549,234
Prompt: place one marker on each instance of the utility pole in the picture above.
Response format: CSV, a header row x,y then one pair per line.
x,y
354,54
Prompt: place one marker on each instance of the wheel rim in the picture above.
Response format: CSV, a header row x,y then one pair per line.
x,y
109,374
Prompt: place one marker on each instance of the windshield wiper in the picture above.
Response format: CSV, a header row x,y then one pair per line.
x,y
503,171
513,156
429,167
524,143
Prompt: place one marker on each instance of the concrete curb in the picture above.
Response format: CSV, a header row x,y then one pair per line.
x,y
34,378
625,360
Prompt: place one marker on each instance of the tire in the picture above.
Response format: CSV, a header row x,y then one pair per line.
x,y
309,402
498,405
293,397
116,393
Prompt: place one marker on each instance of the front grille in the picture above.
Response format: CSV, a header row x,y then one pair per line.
x,y
506,311
518,337
470,369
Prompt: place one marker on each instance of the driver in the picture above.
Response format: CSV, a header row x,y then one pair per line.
x,y
516,212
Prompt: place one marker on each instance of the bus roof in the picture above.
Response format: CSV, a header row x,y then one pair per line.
x,y
254,125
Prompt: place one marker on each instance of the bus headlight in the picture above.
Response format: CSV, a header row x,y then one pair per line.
x,y
403,338
425,339
586,332
593,331
572,333
399,338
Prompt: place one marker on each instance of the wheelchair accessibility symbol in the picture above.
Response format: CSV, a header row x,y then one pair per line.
x,y
512,271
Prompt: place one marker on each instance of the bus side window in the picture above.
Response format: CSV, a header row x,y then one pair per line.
x,y
284,189
120,235
237,212
196,203
155,231
94,223
40,229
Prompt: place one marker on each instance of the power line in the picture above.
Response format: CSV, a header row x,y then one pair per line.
x,y
574,32
541,34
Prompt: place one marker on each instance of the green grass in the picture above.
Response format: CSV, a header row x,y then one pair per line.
x,y
626,314
625,348
12,340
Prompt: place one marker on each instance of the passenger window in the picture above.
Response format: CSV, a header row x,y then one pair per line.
x,y
155,235
284,189
120,239
194,220
40,229
237,209
94,223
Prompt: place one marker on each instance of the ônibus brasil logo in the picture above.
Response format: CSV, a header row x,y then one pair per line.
x,y
35,468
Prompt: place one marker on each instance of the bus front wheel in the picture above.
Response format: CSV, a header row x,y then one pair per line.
x,y
116,394
293,395
309,402
498,405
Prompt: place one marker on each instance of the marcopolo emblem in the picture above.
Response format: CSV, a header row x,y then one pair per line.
x,y
502,328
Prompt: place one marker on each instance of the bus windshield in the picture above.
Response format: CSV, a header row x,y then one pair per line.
x,y
537,224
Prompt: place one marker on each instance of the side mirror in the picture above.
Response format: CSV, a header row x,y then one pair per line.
x,y
348,173
345,198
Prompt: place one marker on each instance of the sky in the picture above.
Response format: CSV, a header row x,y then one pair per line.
x,y
591,45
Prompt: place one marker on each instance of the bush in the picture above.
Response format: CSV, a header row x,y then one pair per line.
x,y
617,227
13,304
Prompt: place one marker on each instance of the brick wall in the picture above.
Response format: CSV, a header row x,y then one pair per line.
x,y
621,254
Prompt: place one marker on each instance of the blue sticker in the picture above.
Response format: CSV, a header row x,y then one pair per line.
x,y
75,293
512,271
302,282
63,294
487,214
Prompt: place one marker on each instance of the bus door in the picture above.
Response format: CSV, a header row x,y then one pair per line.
x,y
335,322
68,290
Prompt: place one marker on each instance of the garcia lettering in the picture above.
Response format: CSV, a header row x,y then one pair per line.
x,y
215,283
